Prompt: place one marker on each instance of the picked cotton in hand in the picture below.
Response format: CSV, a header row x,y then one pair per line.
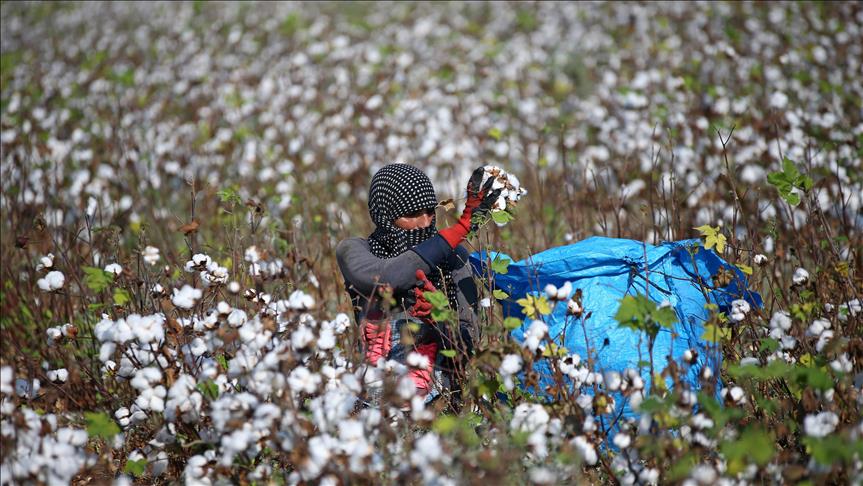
x,y
511,190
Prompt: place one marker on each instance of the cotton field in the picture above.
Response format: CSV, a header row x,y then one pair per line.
x,y
176,176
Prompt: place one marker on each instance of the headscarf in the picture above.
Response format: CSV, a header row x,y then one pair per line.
x,y
397,190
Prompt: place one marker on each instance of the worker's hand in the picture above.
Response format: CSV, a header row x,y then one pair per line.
x,y
422,307
479,202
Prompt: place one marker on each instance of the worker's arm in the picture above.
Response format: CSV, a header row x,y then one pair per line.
x,y
365,271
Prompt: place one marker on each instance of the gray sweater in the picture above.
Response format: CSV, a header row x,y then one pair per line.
x,y
364,272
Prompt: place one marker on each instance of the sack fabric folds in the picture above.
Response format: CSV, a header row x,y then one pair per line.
x,y
682,274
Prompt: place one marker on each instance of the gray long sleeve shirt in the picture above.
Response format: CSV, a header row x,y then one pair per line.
x,y
364,272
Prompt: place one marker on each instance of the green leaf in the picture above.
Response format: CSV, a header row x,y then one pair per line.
x,y
209,389
512,323
445,424
121,297
534,306
135,468
97,279
714,333
792,198
768,345
500,265
449,353
745,268
832,449
99,424
755,445
499,294
501,217
495,133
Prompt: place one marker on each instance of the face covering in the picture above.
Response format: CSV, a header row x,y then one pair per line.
x,y
397,190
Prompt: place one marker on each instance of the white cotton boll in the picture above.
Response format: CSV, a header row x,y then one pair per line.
x,y
223,308
237,318
817,327
303,380
147,329
551,291
252,255
45,262
145,378
529,417
198,262
406,388
326,340
564,291
823,340
54,280
586,450
820,425
534,335
58,376
780,320
417,360
374,102
6,376
622,440
612,380
301,338
778,100
649,475
197,347
842,364
186,297
800,277
703,474
485,302
114,268
150,255
300,300
510,365
759,259
234,287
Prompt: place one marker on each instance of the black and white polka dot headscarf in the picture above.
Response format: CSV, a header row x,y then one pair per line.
x,y
397,190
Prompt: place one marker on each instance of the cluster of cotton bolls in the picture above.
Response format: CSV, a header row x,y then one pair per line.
x,y
35,447
299,101
510,187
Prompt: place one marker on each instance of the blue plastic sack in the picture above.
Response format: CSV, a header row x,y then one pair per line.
x,y
606,270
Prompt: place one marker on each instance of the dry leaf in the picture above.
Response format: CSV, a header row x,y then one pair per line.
x,y
447,204
190,227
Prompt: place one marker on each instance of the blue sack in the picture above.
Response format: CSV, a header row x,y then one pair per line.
x,y
606,270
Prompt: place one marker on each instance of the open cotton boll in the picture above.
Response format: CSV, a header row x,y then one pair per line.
x,y
511,190
51,282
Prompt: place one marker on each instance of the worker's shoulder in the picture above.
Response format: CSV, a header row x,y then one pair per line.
x,y
351,244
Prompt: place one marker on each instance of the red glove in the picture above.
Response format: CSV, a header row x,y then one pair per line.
x,y
422,307
477,198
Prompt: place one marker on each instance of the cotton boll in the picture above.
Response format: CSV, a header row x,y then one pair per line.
x,y
114,268
417,360
151,255
622,440
586,450
54,280
612,380
45,262
820,425
58,376
801,276
186,297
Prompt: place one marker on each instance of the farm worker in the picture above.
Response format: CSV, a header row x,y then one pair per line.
x,y
405,257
